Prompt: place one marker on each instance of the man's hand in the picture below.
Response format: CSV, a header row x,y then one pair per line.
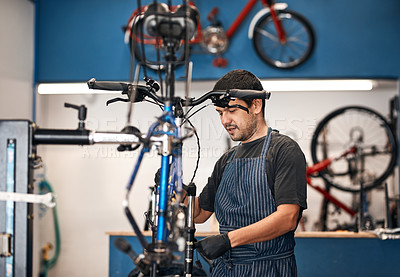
x,y
213,247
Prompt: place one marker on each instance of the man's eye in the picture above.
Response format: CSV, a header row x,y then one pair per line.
x,y
232,110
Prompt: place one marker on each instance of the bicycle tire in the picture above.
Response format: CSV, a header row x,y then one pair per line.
x,y
143,43
376,148
299,45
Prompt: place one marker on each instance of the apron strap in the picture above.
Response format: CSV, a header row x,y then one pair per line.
x,y
266,143
262,258
245,256
230,262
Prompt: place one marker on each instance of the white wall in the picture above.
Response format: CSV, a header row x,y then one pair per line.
x,y
16,63
90,180
16,58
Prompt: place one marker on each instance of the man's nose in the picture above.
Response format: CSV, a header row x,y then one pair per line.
x,y
225,119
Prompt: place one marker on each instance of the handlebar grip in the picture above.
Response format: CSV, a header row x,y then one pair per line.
x,y
125,88
112,86
250,94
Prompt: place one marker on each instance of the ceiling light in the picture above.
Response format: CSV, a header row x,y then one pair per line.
x,y
319,85
69,88
270,85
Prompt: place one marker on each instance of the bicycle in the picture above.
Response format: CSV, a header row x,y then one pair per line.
x,y
172,223
376,148
371,161
165,134
311,171
282,38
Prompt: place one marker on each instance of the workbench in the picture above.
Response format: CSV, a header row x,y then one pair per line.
x,y
317,254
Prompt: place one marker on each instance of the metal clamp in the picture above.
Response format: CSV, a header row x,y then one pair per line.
x,y
5,245
47,199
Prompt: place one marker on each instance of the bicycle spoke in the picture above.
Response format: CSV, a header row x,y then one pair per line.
x,y
295,49
267,34
291,31
272,46
297,40
282,53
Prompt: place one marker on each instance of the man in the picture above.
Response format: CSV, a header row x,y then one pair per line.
x,y
257,191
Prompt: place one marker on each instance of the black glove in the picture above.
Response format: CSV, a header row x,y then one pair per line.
x,y
157,178
213,247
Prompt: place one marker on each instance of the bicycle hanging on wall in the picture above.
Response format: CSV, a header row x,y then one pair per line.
x,y
371,135
281,37
371,160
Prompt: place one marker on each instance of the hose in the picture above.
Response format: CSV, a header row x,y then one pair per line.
x,y
45,262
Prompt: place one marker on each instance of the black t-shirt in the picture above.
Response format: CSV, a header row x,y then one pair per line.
x,y
285,168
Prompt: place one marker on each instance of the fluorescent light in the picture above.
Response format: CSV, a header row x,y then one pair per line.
x,y
269,85
70,88
319,85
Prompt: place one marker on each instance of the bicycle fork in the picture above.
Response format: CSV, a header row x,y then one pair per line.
x,y
277,22
278,25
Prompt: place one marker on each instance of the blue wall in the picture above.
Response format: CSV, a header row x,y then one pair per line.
x,y
80,39
315,257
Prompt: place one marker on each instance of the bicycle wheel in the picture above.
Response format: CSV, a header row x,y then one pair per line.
x,y
299,40
369,140
154,56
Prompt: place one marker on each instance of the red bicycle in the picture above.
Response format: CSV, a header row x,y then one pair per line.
x,y
323,165
282,38
369,158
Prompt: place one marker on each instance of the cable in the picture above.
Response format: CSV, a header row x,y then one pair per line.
x,y
155,103
187,118
188,111
198,151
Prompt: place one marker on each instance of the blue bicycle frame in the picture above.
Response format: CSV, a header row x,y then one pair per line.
x,y
171,152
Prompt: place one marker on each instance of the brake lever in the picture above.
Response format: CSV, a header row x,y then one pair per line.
x,y
117,99
138,91
139,97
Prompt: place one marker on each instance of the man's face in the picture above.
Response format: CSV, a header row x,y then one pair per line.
x,y
239,124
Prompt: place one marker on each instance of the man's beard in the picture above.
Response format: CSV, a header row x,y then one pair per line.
x,y
244,133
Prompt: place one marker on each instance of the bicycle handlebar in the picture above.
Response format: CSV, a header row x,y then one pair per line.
x,y
222,97
216,96
87,137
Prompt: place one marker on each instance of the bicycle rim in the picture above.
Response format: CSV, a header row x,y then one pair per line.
x,y
374,143
299,40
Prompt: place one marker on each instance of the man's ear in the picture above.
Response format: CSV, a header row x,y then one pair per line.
x,y
257,105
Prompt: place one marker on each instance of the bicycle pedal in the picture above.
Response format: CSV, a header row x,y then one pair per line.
x,y
220,62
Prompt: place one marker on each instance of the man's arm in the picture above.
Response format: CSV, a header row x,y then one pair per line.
x,y
200,215
274,225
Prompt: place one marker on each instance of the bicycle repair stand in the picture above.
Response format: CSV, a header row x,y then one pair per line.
x,y
17,154
18,140
189,249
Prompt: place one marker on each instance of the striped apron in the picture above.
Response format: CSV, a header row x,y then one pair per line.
x,y
244,197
